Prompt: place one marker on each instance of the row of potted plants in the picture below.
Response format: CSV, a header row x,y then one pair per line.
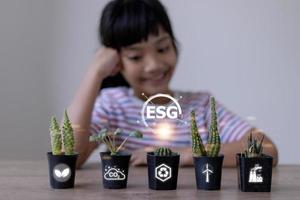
x,y
254,168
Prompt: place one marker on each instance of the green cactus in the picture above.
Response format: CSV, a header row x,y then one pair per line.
x,y
55,133
214,141
108,137
254,147
163,151
68,137
198,148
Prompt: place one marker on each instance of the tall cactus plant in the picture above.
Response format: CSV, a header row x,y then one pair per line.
x,y
214,142
62,138
198,148
56,140
68,137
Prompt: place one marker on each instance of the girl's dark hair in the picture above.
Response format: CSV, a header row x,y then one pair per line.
x,y
125,22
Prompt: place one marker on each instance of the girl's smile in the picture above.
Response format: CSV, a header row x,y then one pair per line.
x,y
161,77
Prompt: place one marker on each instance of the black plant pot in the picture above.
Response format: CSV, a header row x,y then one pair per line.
x,y
254,174
62,170
208,172
162,171
115,170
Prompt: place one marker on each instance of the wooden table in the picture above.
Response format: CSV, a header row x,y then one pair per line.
x,y
29,180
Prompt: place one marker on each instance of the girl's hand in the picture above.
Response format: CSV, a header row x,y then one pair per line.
x,y
106,62
139,157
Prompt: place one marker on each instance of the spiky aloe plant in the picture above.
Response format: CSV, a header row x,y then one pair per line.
x,y
198,148
108,137
214,141
68,137
163,151
254,147
56,140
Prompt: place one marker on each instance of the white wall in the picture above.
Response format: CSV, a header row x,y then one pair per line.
x,y
25,35
245,52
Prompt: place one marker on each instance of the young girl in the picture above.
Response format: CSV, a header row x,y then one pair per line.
x,y
139,57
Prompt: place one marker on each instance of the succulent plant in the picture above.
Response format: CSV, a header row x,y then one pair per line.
x,y
214,141
254,147
62,138
198,148
55,133
163,151
108,137
68,137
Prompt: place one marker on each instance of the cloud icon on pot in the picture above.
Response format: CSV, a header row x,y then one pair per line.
x,y
114,175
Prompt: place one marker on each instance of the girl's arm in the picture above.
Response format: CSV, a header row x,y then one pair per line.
x,y
231,149
228,149
80,110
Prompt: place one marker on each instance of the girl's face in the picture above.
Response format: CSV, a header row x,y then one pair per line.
x,y
148,66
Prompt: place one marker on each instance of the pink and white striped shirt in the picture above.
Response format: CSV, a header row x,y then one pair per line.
x,y
119,108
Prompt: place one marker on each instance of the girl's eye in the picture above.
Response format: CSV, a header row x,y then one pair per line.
x,y
135,58
163,50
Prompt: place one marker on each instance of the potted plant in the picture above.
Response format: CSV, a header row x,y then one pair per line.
x,y
62,163
254,167
115,163
207,161
162,169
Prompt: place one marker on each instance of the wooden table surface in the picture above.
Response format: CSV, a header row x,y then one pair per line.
x,y
29,180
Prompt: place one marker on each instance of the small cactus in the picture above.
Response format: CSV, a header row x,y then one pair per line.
x,y
254,147
214,141
56,141
163,151
68,137
62,138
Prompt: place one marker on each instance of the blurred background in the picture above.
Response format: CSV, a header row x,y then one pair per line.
x,y
247,53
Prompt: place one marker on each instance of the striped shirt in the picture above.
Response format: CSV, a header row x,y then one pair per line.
x,y
120,108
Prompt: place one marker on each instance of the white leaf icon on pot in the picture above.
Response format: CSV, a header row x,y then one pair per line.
x,y
62,174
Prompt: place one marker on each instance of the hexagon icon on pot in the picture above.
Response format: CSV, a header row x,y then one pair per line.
x,y
163,172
